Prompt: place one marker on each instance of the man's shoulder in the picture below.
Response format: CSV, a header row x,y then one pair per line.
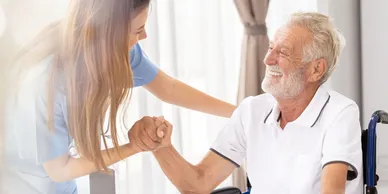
x,y
259,103
339,101
339,105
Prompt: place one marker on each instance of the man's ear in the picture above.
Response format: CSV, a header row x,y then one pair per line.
x,y
318,69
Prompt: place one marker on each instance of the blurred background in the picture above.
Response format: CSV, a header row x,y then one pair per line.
x,y
209,44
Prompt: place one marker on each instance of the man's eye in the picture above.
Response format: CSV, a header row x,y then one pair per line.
x,y
284,53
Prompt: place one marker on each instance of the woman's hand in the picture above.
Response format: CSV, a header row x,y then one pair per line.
x,y
149,134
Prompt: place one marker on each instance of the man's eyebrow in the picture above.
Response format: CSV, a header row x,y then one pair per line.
x,y
285,47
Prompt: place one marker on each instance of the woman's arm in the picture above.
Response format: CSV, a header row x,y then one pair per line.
x,y
176,92
66,168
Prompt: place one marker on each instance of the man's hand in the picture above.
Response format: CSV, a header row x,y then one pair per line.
x,y
149,134
164,131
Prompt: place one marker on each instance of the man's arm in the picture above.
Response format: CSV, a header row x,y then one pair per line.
x,y
342,151
188,178
334,178
178,93
229,151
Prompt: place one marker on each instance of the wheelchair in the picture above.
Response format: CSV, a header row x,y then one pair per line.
x,y
368,139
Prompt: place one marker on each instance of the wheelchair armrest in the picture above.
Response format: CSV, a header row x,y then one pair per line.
x,y
227,190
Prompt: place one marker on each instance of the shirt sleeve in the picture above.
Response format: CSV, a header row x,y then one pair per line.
x,y
34,139
342,142
144,71
231,142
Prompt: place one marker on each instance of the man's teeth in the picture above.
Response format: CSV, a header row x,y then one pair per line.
x,y
274,73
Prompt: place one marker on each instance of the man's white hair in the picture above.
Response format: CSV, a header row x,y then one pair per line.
x,y
327,42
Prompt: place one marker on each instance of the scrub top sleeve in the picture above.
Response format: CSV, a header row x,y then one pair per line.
x,y
144,71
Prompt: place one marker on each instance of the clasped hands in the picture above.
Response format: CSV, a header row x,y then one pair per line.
x,y
150,134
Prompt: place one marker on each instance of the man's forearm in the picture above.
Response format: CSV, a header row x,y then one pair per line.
x,y
77,167
185,176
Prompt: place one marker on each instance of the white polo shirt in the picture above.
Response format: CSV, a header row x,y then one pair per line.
x,y
290,160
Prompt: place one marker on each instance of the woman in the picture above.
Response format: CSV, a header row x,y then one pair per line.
x,y
81,72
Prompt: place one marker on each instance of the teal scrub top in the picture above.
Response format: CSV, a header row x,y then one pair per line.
x,y
29,143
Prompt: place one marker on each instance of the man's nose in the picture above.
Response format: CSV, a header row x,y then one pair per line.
x,y
271,58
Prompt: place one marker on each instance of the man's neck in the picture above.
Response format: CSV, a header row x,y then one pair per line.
x,y
292,108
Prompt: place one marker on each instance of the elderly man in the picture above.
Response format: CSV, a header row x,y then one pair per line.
x,y
298,138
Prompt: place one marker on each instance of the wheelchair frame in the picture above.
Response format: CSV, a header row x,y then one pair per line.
x,y
369,151
368,139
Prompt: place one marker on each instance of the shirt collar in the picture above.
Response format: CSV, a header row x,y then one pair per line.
x,y
310,115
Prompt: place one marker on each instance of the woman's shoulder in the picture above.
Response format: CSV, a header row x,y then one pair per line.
x,y
34,80
36,72
136,55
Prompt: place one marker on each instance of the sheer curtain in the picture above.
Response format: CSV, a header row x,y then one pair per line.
x,y
199,43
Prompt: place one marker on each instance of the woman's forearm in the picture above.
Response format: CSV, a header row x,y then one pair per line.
x,y
78,167
175,92
186,96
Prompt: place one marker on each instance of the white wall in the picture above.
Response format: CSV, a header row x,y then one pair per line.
x,y
374,48
345,78
375,69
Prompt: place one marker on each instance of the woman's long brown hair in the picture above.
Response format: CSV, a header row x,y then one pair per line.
x,y
90,49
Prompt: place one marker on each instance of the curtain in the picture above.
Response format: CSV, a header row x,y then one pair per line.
x,y
255,44
254,47
2,90
197,42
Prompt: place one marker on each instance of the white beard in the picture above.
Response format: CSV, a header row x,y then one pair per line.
x,y
278,86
